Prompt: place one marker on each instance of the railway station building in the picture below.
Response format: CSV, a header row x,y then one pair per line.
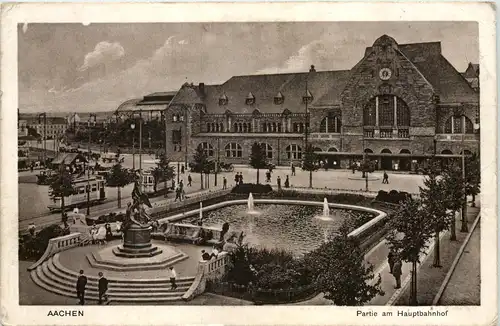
x,y
400,105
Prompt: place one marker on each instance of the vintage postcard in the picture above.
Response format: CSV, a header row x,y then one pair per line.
x,y
249,163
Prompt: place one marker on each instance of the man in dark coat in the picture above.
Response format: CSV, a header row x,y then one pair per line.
x,y
81,283
390,260
103,287
396,272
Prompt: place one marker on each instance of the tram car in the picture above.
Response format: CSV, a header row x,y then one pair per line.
x,y
148,184
94,186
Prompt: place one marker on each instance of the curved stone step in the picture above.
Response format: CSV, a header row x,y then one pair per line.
x,y
93,261
72,280
56,276
125,281
49,284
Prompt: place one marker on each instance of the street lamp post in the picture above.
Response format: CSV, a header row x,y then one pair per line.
x,y
44,115
132,126
140,147
217,161
365,163
88,163
464,227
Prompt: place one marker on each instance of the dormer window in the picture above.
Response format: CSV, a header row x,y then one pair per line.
x,y
307,98
250,100
279,99
223,100
175,118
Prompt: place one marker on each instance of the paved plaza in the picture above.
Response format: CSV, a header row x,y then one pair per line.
x,y
331,179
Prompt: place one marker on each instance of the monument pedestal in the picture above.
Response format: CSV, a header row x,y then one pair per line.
x,y
137,243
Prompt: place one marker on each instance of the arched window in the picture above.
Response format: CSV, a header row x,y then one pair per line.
x,y
294,152
369,113
221,127
235,127
213,127
217,127
403,114
458,125
245,127
233,150
207,149
387,117
447,152
330,124
269,150
274,126
386,110
368,151
208,127
386,151
404,151
240,127
332,149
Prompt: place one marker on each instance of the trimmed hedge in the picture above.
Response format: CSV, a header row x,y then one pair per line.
x,y
393,196
247,188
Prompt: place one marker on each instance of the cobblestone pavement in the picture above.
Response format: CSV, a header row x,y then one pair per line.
x,y
465,283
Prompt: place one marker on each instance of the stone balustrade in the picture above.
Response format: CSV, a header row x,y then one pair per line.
x,y
56,245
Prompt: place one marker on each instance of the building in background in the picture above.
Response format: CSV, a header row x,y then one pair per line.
x,y
400,105
54,127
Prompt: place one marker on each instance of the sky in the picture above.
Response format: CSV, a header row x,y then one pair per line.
x,y
96,67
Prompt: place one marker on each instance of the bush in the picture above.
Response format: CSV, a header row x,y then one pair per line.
x,y
247,188
393,197
32,248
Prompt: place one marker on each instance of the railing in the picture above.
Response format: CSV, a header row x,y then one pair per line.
x,y
216,268
57,245
207,270
191,232
457,137
385,133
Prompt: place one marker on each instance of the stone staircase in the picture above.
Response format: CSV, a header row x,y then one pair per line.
x,y
54,277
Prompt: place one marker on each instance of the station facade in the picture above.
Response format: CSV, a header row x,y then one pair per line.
x,y
400,104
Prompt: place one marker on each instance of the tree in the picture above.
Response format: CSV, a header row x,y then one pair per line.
x,y
118,178
61,186
473,177
435,203
163,171
454,192
343,278
310,162
200,164
408,237
258,159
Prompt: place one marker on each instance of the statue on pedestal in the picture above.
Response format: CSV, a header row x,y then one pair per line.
x,y
137,228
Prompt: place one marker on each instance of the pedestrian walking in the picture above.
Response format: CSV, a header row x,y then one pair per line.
x,y
237,178
386,178
224,183
287,182
173,276
31,167
293,169
190,180
397,271
241,177
268,176
390,260
103,288
177,193
173,184
181,186
81,283
278,181
182,169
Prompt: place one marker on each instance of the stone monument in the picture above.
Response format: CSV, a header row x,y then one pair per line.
x,y
137,229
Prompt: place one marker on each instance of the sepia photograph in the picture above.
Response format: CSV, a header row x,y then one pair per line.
x,y
251,163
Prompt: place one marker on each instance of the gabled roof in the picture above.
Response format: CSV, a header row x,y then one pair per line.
x,y
448,83
68,158
472,71
265,88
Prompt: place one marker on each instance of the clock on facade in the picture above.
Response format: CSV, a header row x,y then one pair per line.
x,y
385,73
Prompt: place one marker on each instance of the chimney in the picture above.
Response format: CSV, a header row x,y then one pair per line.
x,y
201,87
312,69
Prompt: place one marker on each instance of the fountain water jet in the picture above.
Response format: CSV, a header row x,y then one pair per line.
x,y
326,212
251,207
